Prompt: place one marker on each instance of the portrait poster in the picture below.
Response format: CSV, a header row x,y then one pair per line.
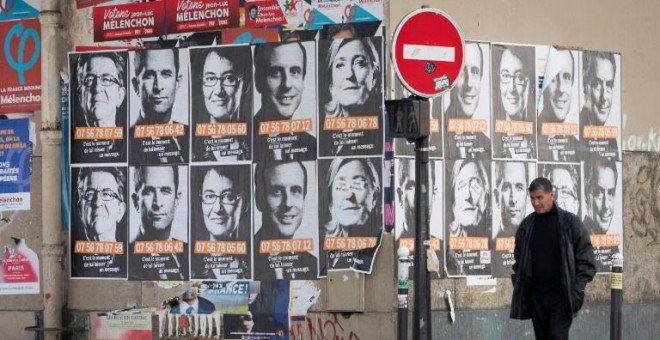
x,y
285,219
129,21
513,88
158,219
221,103
567,182
603,209
511,204
600,113
351,74
99,222
228,297
19,9
350,213
198,16
159,111
284,122
260,13
20,65
558,104
468,223
467,106
403,147
98,106
134,326
15,164
267,316
404,202
220,215
19,269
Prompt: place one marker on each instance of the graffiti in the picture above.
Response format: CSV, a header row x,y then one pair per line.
x,y
651,142
320,328
646,211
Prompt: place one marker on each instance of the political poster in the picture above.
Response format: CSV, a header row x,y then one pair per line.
x,y
199,15
129,21
15,164
267,316
20,65
19,9
19,269
117,326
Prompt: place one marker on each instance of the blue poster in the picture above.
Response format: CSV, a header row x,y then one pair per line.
x,y
19,9
15,170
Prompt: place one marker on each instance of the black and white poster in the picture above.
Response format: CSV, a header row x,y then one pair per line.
x,y
404,203
351,74
221,103
221,232
558,105
567,184
467,104
600,115
285,101
99,97
514,101
99,228
285,219
468,217
159,111
350,212
511,205
158,250
603,209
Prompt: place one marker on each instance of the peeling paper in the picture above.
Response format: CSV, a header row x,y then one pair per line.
x,y
304,294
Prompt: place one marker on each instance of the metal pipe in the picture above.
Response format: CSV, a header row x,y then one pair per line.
x,y
422,311
616,287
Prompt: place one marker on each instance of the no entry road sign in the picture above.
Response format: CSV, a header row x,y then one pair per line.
x,y
427,52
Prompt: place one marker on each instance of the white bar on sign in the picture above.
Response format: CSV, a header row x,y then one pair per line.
x,y
429,52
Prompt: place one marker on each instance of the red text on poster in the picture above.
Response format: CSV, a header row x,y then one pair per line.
x,y
129,21
260,13
20,66
201,15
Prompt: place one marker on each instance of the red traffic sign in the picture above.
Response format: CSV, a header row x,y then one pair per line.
x,y
427,52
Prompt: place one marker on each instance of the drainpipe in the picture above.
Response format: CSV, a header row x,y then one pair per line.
x,y
52,249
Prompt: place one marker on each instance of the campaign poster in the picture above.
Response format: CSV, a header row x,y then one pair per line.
x,y
558,105
98,106
135,326
284,122
15,164
403,147
221,103
200,15
129,21
467,106
285,233
220,203
511,204
242,35
267,316
99,222
159,111
467,217
19,9
19,269
89,3
362,10
351,75
602,213
514,101
20,66
350,213
567,182
404,202
600,113
226,297
158,248
325,12
260,13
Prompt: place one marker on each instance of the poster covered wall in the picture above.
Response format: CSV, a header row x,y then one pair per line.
x,y
21,66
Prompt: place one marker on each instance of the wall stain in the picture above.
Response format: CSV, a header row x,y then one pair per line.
x,y
646,203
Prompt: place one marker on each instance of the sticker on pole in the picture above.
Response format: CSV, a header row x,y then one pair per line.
x,y
427,52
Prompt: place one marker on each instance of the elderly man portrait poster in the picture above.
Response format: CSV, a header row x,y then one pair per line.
x,y
600,115
99,228
514,102
159,132
284,125
350,213
351,73
558,106
99,89
221,103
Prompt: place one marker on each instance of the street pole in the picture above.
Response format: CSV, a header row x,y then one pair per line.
x,y
616,288
402,292
422,312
